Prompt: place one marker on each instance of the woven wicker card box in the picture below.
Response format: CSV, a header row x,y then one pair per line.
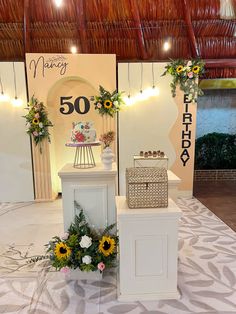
x,y
146,187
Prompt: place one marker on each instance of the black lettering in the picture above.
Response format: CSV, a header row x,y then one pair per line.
x,y
185,157
187,116
186,134
35,64
86,105
186,143
186,99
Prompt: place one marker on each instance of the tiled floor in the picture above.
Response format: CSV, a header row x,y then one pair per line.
x,y
220,198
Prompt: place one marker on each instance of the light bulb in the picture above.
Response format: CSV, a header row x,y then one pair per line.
x,y
58,3
17,102
4,97
129,101
73,49
166,45
143,95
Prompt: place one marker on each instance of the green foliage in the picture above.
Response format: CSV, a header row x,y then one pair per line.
x,y
37,121
185,74
215,151
108,103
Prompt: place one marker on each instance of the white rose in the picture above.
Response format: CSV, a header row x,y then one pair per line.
x,y
85,242
189,63
116,103
87,259
41,125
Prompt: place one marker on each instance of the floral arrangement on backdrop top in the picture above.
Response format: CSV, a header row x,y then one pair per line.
x,y
37,121
83,247
186,74
108,103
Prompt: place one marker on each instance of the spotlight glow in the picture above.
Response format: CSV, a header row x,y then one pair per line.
x,y
17,102
4,97
142,95
166,45
58,3
73,49
129,101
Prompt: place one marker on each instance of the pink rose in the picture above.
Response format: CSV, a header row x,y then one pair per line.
x,y
99,105
35,133
101,266
65,270
36,115
190,74
65,236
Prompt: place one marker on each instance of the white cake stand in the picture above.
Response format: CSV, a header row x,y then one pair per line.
x,y
84,158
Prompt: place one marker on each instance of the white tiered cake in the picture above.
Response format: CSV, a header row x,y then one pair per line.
x,y
83,132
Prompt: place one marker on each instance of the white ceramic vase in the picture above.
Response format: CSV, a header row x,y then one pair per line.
x,y
107,158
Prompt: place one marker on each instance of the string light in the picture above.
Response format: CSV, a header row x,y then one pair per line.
x,y
3,96
73,49
166,45
16,102
58,3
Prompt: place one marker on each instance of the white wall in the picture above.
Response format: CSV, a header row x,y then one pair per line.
x,y
16,182
145,125
216,112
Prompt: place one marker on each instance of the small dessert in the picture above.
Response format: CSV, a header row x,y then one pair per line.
x,y
149,153
141,153
162,154
146,154
154,153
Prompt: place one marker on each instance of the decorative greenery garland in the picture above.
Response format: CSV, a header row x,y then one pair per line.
x,y
108,103
186,74
37,121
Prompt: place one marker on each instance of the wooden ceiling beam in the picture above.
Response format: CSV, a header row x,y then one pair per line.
x,y
139,30
27,44
191,35
81,25
220,63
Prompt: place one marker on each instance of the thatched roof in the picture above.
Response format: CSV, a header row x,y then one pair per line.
x,y
132,29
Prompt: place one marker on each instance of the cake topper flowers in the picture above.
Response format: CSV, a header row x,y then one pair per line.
x,y
37,121
108,103
186,74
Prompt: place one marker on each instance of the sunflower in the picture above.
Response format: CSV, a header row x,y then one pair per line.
x,y
62,250
35,121
196,69
106,246
107,104
179,69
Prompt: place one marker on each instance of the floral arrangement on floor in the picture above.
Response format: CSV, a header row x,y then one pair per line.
x,y
37,121
107,138
186,74
108,103
83,247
